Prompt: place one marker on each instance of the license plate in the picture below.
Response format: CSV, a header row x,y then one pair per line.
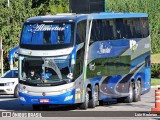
x,y
44,100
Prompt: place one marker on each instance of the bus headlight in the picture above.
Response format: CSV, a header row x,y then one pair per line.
x,y
23,91
67,90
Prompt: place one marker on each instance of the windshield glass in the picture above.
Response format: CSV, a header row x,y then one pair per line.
x,y
44,35
45,70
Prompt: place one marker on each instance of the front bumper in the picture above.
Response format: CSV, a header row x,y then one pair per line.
x,y
66,98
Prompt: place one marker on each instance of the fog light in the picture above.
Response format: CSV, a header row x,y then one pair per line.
x,y
9,89
22,98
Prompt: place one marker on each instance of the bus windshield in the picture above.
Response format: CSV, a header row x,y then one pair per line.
x,y
45,70
47,36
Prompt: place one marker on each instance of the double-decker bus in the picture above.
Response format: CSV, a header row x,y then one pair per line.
x,y
84,59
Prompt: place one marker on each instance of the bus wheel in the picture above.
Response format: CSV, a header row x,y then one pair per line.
x,y
120,100
137,92
16,91
101,103
84,105
129,98
36,107
93,102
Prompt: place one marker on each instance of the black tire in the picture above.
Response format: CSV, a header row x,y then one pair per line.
x,y
16,91
120,100
84,105
93,102
137,92
129,98
36,107
101,103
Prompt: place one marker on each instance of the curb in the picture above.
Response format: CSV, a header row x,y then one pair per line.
x,y
156,86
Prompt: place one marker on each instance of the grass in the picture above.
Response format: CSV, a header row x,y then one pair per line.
x,y
155,81
155,58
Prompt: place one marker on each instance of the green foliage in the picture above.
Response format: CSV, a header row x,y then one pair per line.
x,y
59,6
155,58
51,6
152,7
155,81
11,19
155,71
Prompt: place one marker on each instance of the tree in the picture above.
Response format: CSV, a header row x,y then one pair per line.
x,y
51,6
11,19
58,6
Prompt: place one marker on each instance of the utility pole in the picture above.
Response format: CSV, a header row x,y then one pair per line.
x,y
8,3
11,66
1,56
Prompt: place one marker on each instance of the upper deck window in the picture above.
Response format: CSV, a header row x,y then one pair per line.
x,y
44,35
119,28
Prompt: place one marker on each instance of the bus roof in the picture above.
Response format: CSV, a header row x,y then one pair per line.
x,y
72,17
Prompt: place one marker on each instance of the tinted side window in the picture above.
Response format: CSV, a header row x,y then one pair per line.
x,y
81,32
145,27
110,29
94,32
120,29
130,28
106,30
101,30
138,27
